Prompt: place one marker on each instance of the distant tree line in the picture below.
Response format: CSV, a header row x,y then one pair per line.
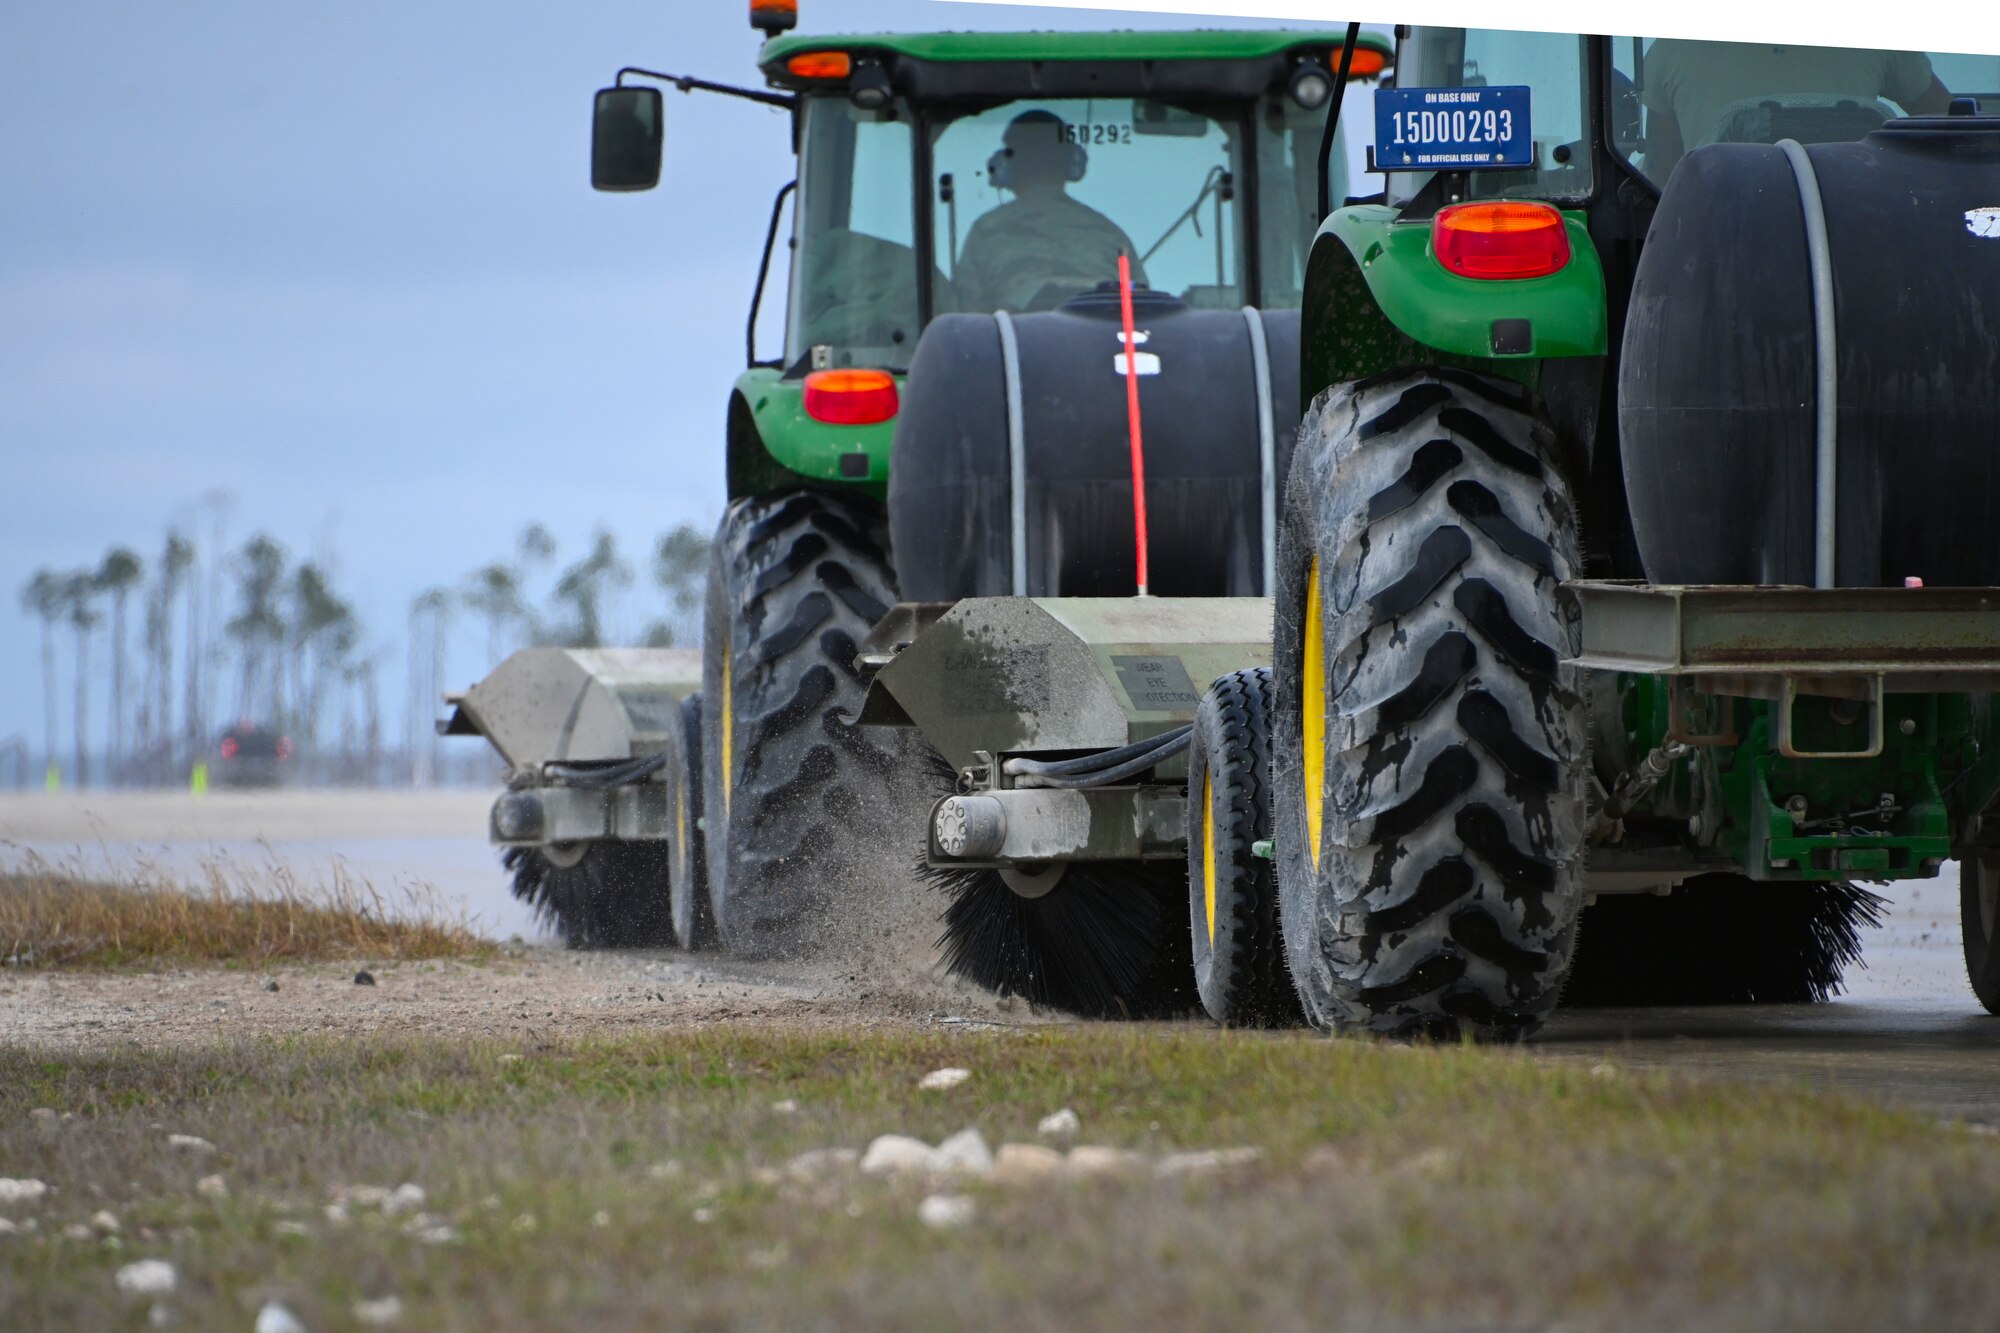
x,y
181,642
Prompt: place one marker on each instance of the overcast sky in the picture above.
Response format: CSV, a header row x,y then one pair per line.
x,y
343,261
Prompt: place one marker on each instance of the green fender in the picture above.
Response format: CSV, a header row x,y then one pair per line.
x,y
1376,298
774,444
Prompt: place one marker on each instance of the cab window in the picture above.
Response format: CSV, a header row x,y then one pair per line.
x,y
1035,199
1671,96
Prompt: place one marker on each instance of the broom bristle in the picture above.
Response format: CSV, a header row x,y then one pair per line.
x,y
614,898
1720,939
1110,941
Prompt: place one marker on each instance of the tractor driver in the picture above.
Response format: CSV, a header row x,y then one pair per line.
x,y
1041,247
1689,83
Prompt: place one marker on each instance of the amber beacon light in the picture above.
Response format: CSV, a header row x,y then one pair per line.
x,y
772,17
1500,240
851,397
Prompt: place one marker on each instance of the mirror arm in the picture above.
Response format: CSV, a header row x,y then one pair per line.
x,y
688,84
1333,119
764,268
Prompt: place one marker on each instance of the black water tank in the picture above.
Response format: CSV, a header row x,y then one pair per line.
x,y
950,515
1716,391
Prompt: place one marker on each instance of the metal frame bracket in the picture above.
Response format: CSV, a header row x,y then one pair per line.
x,y
1788,697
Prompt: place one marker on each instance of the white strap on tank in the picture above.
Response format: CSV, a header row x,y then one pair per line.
x,y
1017,463
1267,444
1826,350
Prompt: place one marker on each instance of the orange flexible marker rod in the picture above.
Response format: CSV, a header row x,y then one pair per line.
x,y
1132,414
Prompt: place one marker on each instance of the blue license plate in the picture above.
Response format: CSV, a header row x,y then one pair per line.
x,y
1452,129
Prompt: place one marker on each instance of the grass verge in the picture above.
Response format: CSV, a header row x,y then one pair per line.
x,y
234,915
650,1181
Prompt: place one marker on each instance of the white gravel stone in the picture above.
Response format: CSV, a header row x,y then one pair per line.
x,y
1090,1160
45,1113
103,1220
212,1187
945,1210
1206,1160
379,1313
147,1277
76,1231
785,1107
275,1318
7,1227
21,1191
405,1198
820,1163
193,1143
939,1079
1025,1164
891,1154
1430,1163
964,1153
1061,1124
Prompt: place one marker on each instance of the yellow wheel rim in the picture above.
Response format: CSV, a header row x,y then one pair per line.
x,y
1208,853
683,863
728,735
1313,699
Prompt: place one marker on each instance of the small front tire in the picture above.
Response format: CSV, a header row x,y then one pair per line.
x,y
1239,962
694,921
1979,916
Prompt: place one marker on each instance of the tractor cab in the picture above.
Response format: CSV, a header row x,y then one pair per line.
x,y
1661,98
948,173
970,172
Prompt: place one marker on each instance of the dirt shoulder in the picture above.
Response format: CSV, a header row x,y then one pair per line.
x,y
526,993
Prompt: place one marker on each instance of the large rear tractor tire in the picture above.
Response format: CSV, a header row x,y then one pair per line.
x,y
1239,952
789,784
1979,914
694,919
597,895
1429,741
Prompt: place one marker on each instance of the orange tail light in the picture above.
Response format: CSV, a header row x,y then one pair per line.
x,y
1500,240
1364,64
821,65
851,397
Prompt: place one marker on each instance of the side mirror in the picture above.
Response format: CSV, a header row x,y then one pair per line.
x,y
625,138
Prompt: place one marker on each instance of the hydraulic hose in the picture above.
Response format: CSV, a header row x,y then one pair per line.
x,y
617,775
1101,769
1090,763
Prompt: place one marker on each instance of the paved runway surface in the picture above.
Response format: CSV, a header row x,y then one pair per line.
x,y
1908,1029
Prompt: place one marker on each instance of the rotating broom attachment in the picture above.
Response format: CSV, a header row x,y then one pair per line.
x,y
601,895
1098,939
1720,939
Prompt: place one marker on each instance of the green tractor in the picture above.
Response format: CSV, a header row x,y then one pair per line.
x,y
1631,608
1635,564
961,207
